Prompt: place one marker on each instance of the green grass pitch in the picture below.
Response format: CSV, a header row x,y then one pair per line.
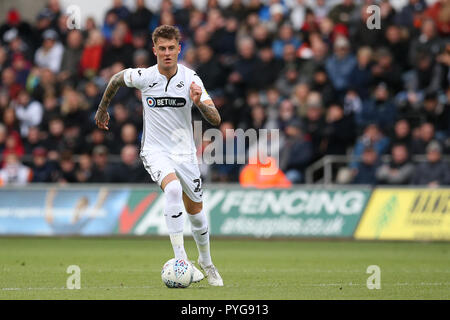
x,y
119,268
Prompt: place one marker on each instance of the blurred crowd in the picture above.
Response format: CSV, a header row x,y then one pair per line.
x,y
312,69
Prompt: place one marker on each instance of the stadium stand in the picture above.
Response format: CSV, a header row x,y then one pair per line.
x,y
311,69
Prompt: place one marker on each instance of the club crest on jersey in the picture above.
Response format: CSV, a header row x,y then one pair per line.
x,y
162,102
180,85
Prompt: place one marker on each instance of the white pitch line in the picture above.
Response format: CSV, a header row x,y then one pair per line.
x,y
399,284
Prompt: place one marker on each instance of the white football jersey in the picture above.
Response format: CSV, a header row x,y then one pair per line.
x,y
167,108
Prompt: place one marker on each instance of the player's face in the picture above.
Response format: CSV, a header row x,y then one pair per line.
x,y
166,52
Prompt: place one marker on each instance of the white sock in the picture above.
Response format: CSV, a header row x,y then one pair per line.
x,y
173,212
178,245
199,227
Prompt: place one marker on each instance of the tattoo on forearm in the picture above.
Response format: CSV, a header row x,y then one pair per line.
x,y
210,113
114,84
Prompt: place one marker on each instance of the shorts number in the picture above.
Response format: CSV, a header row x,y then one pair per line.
x,y
198,187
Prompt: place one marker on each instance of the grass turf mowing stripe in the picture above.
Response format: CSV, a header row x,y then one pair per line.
x,y
114,268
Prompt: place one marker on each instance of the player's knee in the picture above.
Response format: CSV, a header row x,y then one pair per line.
x,y
173,190
194,207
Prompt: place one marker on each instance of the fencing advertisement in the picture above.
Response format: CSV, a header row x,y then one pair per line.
x,y
390,214
258,213
235,211
406,214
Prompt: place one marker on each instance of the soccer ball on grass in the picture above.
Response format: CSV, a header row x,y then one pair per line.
x,y
177,273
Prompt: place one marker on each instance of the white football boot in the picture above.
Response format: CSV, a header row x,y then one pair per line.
x,y
212,274
198,275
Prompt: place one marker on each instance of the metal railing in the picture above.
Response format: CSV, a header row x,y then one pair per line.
x,y
326,165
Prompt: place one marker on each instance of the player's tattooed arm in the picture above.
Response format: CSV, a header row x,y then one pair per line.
x,y
207,108
102,116
209,112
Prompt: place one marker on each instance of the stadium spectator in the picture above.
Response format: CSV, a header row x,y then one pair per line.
x,y
300,95
285,36
55,142
128,135
399,170
101,170
338,133
117,50
50,54
290,57
372,138
434,172
209,68
320,8
340,65
10,120
298,12
33,140
14,172
286,112
51,110
427,41
425,134
261,36
244,75
270,65
436,113
22,67
401,134
287,80
379,108
74,110
43,170
440,13
314,124
15,23
130,168
71,56
95,138
120,117
83,171
13,144
361,75
397,43
9,83
92,95
315,60
426,75
91,58
67,168
410,15
296,152
322,84
385,70
3,58
3,135
140,18
225,41
182,14
29,112
365,173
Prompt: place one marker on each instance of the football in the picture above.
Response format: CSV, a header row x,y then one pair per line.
x,y
177,273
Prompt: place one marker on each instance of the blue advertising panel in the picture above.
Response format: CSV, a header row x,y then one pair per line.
x,y
88,211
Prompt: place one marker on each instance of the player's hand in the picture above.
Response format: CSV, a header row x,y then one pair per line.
x,y
195,93
102,119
